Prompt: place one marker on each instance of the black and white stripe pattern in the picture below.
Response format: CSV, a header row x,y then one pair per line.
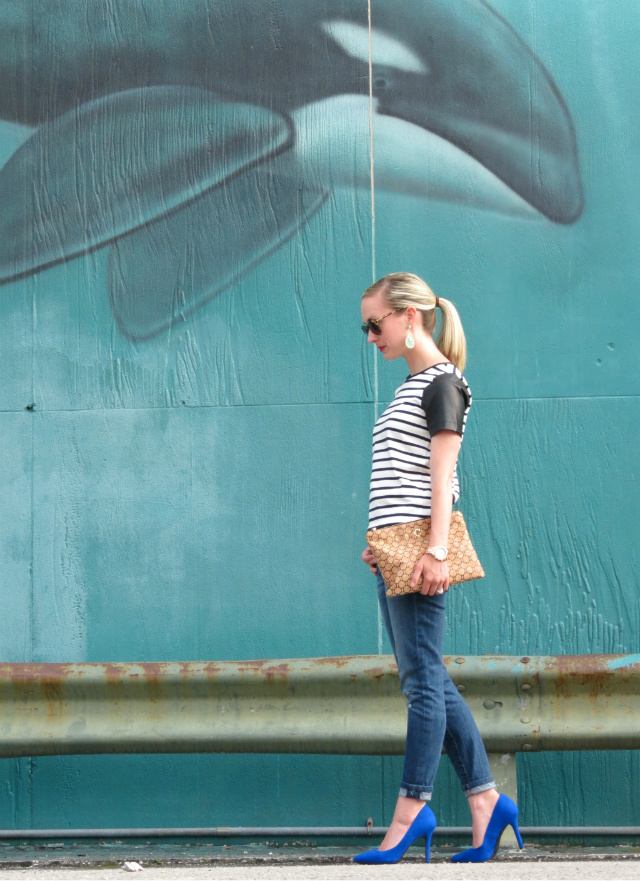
x,y
400,476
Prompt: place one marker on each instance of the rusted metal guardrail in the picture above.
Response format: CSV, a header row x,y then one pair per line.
x,y
344,705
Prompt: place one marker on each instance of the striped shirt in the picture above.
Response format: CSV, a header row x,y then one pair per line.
x,y
437,398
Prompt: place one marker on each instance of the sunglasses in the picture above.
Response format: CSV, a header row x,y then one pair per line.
x,y
373,324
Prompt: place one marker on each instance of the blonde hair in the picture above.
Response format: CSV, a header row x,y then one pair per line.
x,y
403,289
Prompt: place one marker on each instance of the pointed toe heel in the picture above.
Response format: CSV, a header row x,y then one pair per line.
x,y
424,824
504,814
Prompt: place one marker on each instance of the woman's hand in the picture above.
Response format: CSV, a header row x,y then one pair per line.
x,y
367,556
433,573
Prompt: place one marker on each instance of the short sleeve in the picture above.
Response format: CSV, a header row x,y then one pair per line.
x,y
444,402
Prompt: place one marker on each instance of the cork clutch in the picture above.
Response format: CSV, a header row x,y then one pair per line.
x,y
398,548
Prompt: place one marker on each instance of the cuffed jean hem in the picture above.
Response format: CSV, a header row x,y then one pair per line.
x,y
416,792
482,787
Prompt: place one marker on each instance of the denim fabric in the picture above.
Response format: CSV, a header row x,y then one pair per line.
x,y
436,712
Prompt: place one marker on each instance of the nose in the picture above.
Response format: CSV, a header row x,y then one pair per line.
x,y
372,337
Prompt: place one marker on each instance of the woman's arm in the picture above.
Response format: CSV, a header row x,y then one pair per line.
x,y
445,446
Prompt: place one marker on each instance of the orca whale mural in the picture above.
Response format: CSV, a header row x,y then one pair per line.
x,y
193,138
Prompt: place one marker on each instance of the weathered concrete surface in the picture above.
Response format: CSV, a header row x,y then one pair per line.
x,y
562,870
272,861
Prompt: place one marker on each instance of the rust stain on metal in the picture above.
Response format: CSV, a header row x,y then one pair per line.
x,y
252,666
187,670
337,662
595,675
565,665
267,669
379,672
157,670
36,672
53,696
281,671
113,671
579,665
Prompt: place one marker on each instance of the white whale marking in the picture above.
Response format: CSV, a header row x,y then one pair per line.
x,y
386,50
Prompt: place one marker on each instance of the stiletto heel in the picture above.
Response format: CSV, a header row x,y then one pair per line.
x,y
504,814
517,834
424,824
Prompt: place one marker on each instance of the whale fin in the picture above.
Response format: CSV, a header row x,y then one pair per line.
x,y
120,162
166,271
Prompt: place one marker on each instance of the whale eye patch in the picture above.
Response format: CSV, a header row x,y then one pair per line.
x,y
373,324
387,50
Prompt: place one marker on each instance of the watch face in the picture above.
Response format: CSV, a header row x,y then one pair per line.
x,y
440,554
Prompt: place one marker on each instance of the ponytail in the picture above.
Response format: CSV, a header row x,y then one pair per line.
x,y
452,342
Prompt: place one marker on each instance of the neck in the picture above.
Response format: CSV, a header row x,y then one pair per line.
x,y
424,355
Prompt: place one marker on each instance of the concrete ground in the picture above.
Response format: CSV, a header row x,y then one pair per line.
x,y
105,860
563,871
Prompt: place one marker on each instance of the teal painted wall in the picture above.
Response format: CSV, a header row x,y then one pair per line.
x,y
184,237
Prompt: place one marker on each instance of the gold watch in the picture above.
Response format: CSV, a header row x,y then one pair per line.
x,y
439,553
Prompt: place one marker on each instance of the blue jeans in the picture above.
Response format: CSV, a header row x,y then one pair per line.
x,y
436,713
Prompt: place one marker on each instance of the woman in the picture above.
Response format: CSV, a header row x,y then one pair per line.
x,y
416,443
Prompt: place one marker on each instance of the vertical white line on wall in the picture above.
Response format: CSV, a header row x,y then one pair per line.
x,y
371,166
31,637
374,349
373,209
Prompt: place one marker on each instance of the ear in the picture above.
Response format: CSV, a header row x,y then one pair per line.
x,y
411,313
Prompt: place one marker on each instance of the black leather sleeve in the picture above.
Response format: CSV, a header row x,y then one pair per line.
x,y
444,402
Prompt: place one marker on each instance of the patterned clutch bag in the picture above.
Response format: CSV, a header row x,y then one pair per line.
x,y
398,548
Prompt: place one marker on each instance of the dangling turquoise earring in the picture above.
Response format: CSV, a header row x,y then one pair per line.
x,y
409,341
